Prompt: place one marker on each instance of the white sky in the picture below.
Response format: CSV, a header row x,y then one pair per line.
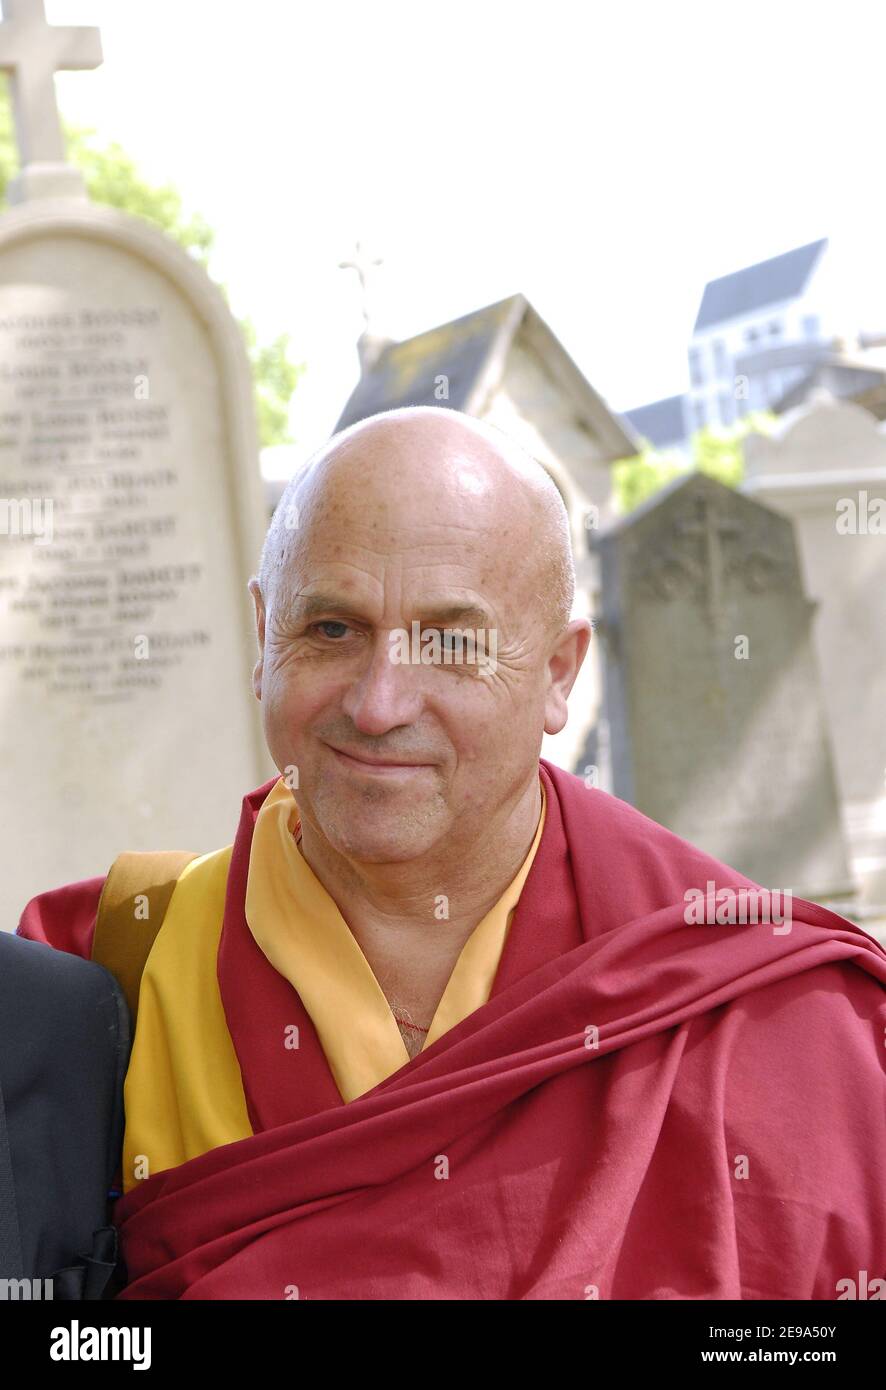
x,y
604,159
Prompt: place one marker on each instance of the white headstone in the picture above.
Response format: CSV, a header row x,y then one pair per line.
x,y
131,517
825,468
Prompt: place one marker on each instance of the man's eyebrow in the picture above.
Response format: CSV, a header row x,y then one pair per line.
x,y
306,607
445,613
450,613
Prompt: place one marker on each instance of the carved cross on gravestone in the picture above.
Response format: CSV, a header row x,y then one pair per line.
x,y
707,524
32,52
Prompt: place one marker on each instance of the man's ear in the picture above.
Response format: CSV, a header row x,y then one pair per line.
x,y
258,600
563,666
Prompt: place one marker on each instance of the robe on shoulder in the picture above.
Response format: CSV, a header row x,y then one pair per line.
x,y
650,1105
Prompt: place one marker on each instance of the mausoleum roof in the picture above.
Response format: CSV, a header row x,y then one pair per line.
x,y
469,355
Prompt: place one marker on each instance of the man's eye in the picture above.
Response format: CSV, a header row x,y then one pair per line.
x,y
331,623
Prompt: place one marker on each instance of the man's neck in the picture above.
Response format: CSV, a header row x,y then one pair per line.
x,y
393,910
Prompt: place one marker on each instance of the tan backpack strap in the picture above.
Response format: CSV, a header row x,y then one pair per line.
x,y
124,931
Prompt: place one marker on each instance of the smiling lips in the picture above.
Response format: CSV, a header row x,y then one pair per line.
x,y
376,766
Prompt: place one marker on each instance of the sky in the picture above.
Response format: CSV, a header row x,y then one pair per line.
x,y
605,160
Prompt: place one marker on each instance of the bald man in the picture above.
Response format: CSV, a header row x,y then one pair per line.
x,y
441,1021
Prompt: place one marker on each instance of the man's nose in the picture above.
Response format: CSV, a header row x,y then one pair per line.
x,y
386,693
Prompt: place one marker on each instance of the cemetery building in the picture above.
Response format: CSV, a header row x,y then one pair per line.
x,y
504,365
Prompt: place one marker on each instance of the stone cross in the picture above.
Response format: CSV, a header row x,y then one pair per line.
x,y
364,265
705,524
32,51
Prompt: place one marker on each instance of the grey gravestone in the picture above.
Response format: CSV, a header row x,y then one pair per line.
x,y
716,719
131,517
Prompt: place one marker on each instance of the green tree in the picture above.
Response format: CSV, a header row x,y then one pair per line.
x,y
715,452
276,377
111,177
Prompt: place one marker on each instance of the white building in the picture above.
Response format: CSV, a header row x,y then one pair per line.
x,y
767,334
757,331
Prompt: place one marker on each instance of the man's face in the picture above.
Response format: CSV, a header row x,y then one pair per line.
x,y
392,756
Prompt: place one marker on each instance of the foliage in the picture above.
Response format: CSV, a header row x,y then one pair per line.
x,y
715,452
112,178
276,377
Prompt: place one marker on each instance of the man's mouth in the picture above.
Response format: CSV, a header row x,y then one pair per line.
x,y
376,766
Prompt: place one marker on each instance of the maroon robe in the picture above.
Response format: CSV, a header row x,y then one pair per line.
x,y
721,1135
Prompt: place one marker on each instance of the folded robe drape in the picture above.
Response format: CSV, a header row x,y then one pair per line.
x,y
643,1108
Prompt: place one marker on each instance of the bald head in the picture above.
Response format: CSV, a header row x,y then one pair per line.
x,y
428,466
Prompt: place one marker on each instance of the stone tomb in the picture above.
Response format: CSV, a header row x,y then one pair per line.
x,y
825,468
130,520
715,713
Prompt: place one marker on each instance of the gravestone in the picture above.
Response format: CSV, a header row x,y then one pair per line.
x,y
131,517
715,715
825,468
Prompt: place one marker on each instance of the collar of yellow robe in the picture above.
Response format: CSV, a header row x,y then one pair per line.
x,y
298,927
183,1092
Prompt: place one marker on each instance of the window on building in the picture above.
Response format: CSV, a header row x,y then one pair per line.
x,y
721,363
700,415
811,326
775,329
727,408
696,373
751,335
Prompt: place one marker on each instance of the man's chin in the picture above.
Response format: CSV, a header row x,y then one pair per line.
x,y
381,832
